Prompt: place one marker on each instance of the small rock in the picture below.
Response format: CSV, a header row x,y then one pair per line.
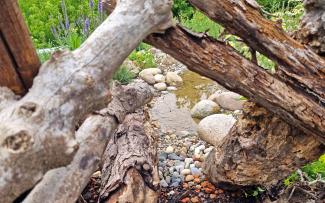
x,y
195,171
169,149
195,199
171,193
213,196
228,100
152,71
173,79
175,184
186,172
159,78
171,88
214,128
173,136
148,78
162,156
179,168
208,150
173,156
185,200
168,179
188,160
163,183
160,86
189,178
204,108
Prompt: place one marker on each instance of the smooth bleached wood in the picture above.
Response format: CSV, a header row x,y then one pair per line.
x,y
37,133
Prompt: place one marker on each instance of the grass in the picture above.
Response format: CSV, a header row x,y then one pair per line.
x,y
142,57
123,75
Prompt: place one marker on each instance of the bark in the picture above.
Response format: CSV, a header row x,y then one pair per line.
x,y
65,184
37,132
7,97
261,149
312,27
130,171
223,64
19,49
261,140
298,66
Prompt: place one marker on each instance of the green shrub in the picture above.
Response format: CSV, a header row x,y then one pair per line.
x,y
182,10
312,171
123,75
143,59
48,18
275,5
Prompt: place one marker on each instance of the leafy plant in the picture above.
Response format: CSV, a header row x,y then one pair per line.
x,y
124,75
275,5
182,9
143,59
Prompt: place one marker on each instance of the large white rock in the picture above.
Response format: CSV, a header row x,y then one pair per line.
x,y
214,128
228,100
204,108
173,79
160,86
148,75
160,78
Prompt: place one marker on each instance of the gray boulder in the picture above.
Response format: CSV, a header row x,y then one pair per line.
x,y
204,108
214,128
228,100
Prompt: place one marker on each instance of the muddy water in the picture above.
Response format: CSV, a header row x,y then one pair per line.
x,y
194,89
172,110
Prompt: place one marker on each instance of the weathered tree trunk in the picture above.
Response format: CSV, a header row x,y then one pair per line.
x,y
65,184
223,64
130,172
19,62
312,28
299,66
261,149
37,133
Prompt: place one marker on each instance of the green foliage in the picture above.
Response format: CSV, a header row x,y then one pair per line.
x,y
182,10
44,56
44,15
123,75
200,23
290,17
275,5
255,192
312,171
143,59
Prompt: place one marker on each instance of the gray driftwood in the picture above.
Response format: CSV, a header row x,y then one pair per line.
x,y
130,172
65,184
37,133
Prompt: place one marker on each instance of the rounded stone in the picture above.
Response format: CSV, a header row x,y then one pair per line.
x,y
160,86
204,108
214,128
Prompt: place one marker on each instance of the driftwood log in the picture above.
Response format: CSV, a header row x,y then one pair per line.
x,y
130,170
37,133
65,184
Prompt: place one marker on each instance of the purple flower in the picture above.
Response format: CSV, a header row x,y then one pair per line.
x,y
91,4
86,26
100,6
65,13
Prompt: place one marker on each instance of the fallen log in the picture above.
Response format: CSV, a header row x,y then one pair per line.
x,y
130,170
261,149
37,133
312,27
225,65
298,66
65,184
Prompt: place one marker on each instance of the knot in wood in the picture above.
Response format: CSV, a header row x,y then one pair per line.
x,y
27,109
18,142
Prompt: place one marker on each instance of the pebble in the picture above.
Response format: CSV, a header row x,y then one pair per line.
x,y
189,178
168,179
169,149
173,156
160,86
195,171
195,199
171,88
186,172
163,183
163,156
159,78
